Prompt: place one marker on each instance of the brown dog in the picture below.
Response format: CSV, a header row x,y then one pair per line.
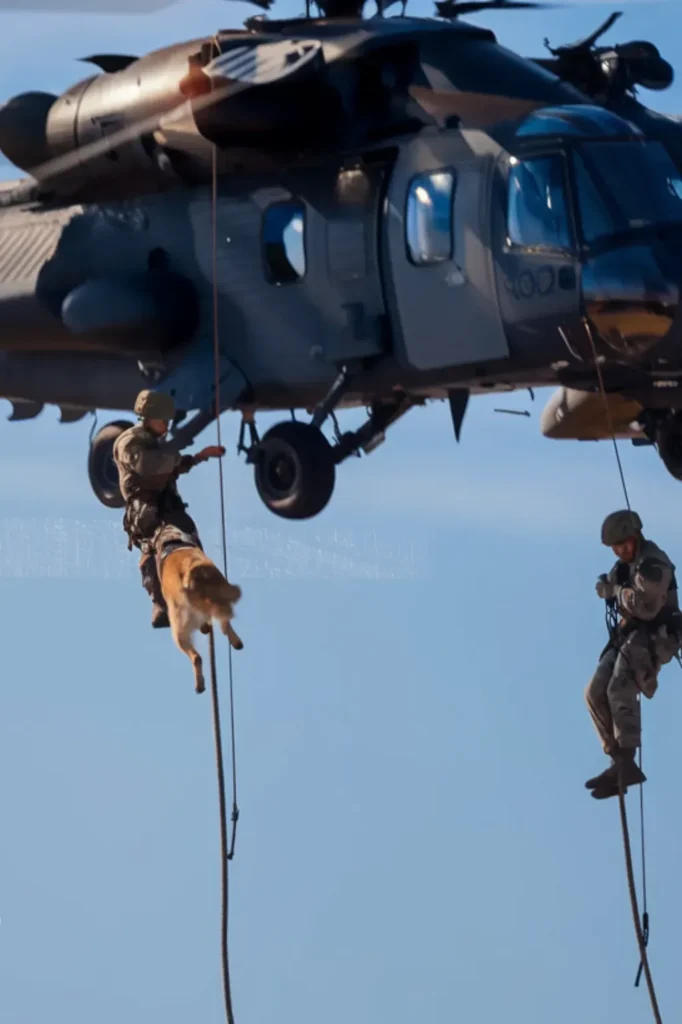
x,y
196,592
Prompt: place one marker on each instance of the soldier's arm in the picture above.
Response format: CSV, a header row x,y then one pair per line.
x,y
148,461
644,597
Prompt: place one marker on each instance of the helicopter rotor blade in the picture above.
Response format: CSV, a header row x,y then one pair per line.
x,y
105,6
128,7
586,44
457,8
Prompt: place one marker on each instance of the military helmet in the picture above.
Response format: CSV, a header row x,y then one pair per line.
x,y
154,405
618,526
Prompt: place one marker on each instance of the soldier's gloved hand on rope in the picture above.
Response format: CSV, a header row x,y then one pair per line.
x,y
604,588
214,451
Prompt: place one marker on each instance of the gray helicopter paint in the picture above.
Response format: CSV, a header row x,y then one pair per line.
x,y
316,326
27,239
87,381
287,335
441,314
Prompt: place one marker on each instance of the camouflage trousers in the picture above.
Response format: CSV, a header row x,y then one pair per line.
x,y
622,675
179,518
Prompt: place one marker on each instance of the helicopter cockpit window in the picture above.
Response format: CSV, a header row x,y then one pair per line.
x,y
537,213
611,199
429,220
284,242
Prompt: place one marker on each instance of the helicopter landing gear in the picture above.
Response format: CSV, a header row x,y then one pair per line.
x,y
295,465
294,468
372,433
102,469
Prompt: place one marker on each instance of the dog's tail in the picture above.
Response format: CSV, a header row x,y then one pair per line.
x,y
208,581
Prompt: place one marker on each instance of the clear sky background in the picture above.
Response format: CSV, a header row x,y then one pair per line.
x,y
415,841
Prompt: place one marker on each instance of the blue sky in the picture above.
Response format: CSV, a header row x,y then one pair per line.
x,y
415,840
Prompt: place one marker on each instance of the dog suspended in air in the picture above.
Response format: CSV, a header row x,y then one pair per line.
x,y
196,592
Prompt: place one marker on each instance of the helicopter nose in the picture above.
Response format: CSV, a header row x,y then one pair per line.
x,y
632,298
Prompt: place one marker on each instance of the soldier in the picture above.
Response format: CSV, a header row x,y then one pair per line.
x,y
643,589
148,476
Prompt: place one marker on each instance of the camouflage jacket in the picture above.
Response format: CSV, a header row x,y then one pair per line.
x,y
145,469
645,589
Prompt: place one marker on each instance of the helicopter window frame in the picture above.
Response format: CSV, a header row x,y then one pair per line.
x,y
415,251
561,157
274,252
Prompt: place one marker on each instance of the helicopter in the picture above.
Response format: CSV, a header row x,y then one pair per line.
x,y
362,212
611,75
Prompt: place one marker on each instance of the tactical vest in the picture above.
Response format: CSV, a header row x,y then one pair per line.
x,y
668,616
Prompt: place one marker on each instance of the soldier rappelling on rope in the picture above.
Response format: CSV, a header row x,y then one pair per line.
x,y
641,589
148,479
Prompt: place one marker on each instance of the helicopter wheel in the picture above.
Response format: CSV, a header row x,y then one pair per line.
x,y
295,471
668,439
102,469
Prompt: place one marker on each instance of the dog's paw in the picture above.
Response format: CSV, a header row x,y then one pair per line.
x,y
237,643
199,685
206,628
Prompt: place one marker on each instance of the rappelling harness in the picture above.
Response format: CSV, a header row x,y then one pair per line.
x,y
620,625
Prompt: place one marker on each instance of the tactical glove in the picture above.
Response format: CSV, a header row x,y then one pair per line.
x,y
604,588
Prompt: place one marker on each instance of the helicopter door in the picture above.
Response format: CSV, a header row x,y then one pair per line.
x,y
438,267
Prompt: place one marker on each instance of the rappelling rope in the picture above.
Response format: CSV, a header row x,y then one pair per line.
x,y
641,929
227,852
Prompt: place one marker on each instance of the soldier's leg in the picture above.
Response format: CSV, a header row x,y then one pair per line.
x,y
598,702
181,519
152,584
623,695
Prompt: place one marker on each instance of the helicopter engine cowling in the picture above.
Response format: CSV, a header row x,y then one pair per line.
x,y
268,96
39,132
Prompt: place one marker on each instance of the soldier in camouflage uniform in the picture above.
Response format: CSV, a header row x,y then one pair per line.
x,y
148,476
642,588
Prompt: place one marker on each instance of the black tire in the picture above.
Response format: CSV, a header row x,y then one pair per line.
x,y
295,470
669,445
102,469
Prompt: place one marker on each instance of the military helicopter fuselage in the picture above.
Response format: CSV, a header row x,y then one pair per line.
x,y
361,213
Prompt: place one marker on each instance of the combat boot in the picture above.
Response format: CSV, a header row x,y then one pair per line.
x,y
160,617
606,784
632,773
605,778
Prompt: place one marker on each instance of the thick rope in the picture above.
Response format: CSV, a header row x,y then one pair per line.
x,y
226,854
641,929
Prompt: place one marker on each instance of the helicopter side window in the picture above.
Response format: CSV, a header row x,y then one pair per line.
x,y
429,217
284,243
537,216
